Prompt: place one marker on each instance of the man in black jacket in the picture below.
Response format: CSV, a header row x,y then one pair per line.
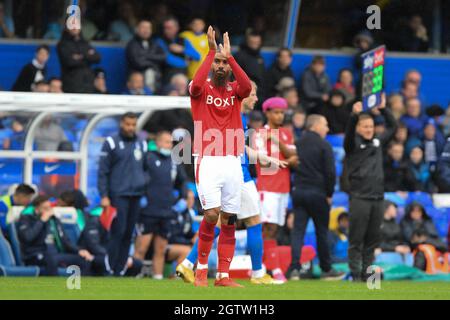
x,y
313,188
315,86
44,242
122,180
364,181
280,69
146,56
34,71
249,57
76,56
155,219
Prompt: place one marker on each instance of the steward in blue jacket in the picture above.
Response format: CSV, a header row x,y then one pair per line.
x,y
122,180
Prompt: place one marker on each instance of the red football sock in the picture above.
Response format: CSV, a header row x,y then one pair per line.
x,y
225,248
205,240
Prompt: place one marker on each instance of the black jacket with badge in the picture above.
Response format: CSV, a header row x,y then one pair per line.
x,y
33,234
363,175
122,167
165,176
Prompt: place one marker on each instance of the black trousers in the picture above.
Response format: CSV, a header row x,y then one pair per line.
x,y
364,234
122,229
310,204
49,263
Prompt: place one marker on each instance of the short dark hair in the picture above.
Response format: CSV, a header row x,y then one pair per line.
x,y
43,47
24,189
318,59
133,73
68,197
252,33
161,133
40,200
364,116
283,49
128,115
394,143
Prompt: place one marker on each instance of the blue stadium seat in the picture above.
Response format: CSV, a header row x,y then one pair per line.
x,y
340,199
15,244
393,258
395,198
335,140
8,266
72,231
423,198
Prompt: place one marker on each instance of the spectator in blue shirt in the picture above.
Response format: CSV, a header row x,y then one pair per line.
x,y
413,119
136,85
178,50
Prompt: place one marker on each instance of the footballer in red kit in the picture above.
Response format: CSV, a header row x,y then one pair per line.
x,y
219,142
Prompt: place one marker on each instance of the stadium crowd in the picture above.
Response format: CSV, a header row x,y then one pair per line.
x,y
414,152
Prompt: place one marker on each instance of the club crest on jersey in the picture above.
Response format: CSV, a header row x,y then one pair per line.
x,y
219,102
229,87
137,154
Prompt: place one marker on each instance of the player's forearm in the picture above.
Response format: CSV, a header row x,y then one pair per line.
x,y
202,74
244,85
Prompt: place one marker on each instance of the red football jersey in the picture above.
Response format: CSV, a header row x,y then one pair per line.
x,y
276,179
214,111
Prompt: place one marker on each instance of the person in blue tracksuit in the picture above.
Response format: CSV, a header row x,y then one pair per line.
x,y
155,218
122,180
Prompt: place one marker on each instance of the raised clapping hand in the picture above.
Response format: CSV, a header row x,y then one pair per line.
x,y
225,49
212,38
357,107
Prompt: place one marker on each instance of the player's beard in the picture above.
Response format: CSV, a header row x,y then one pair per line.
x,y
220,79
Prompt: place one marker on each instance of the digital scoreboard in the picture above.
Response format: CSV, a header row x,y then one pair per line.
x,y
372,76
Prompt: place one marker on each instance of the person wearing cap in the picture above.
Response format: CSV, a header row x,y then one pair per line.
x,y
273,184
100,81
314,180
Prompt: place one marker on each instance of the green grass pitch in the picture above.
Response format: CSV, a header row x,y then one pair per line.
x,y
114,288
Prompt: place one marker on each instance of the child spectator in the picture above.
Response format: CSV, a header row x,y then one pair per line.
x,y
433,143
401,134
345,85
420,170
391,233
397,176
298,122
338,239
197,37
